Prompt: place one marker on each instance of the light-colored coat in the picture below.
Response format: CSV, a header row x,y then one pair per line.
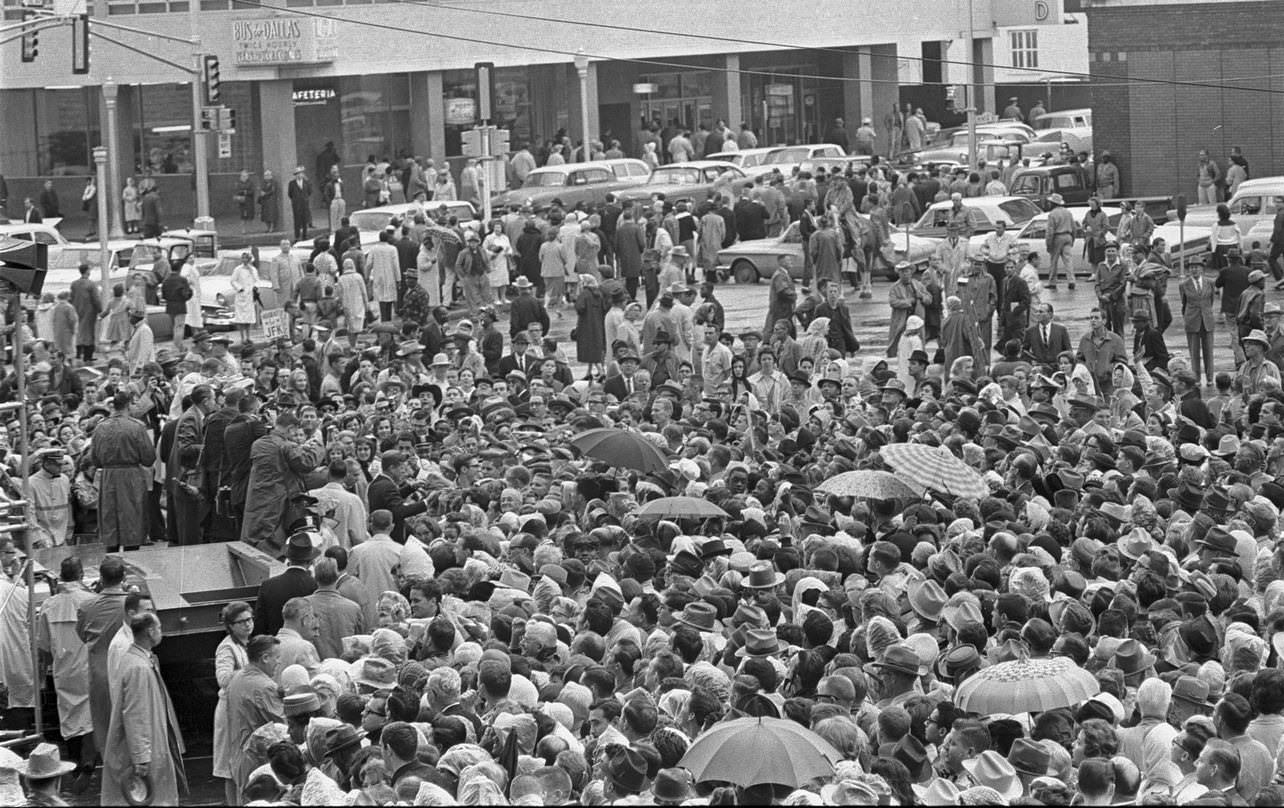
x,y
385,272
143,729
56,635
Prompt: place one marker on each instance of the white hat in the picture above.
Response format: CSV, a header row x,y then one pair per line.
x,y
914,323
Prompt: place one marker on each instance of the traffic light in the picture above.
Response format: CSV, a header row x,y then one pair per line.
x,y
80,44
30,37
212,80
499,141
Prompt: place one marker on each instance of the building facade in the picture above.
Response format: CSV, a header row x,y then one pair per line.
x,y
385,79
1170,79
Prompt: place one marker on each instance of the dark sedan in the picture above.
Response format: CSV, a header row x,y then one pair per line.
x,y
692,182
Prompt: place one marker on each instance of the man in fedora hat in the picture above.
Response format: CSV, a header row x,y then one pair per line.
x,y
44,771
895,676
1257,374
1059,238
300,194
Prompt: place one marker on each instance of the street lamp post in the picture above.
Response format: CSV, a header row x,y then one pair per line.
x,y
110,189
581,67
104,248
971,89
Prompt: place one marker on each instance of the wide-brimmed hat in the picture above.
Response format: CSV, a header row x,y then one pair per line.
x,y
1192,690
937,792
409,347
760,643
522,282
1257,335
299,548
1218,540
1029,757
1131,657
927,599
992,770
377,673
342,737
762,575
898,658
1056,199
698,615
44,762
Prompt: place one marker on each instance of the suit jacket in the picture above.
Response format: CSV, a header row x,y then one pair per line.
x,y
295,582
383,494
189,432
841,336
1045,353
1198,310
33,216
616,386
300,193
1193,407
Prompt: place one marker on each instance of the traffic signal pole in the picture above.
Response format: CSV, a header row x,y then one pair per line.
x,y
200,153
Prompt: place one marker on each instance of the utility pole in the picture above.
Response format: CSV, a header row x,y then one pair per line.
x,y
101,156
971,89
200,157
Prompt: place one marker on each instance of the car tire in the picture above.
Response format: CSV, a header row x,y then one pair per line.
x,y
744,271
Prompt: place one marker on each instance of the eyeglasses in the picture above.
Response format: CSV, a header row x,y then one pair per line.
x,y
243,621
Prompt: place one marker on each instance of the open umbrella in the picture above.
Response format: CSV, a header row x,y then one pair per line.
x,y
680,508
935,468
1026,686
439,233
621,448
752,751
870,484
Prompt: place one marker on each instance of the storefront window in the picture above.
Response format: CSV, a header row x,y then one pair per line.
x,y
67,130
512,105
375,116
163,132
683,97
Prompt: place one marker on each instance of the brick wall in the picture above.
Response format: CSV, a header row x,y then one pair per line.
x,y
1155,131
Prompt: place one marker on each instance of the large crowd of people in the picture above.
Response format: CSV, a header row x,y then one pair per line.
x,y
473,611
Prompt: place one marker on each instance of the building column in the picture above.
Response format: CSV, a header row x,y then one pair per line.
x,y
420,120
873,93
435,110
727,101
983,57
280,149
576,126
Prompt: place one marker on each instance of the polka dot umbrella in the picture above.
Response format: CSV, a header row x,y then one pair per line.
x,y
1026,686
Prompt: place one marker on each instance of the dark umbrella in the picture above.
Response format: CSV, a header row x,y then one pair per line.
x,y
621,448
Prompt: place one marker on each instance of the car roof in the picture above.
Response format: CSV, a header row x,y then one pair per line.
x,y
1076,111
701,164
1260,182
614,161
755,150
977,201
1109,211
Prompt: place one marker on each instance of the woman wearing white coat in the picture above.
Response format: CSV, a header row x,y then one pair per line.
x,y
245,278
194,318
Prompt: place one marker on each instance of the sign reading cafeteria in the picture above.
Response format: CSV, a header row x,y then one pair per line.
x,y
283,41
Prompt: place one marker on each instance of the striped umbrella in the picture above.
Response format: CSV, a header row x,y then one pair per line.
x,y
935,468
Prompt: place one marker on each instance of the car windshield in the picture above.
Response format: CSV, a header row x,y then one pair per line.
x,y
369,220
1052,122
1019,210
70,258
546,179
1026,184
676,175
224,266
793,155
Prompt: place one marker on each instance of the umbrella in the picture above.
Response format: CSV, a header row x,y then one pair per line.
x,y
935,468
1026,686
621,447
869,484
681,508
439,233
753,751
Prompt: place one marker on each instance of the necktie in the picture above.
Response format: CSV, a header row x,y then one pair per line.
x,y
1047,339
629,383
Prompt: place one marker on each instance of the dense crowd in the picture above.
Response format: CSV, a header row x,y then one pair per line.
x,y
474,611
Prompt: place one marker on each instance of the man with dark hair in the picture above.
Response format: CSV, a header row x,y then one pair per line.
x,y
400,744
1256,762
186,506
123,452
1219,769
344,511
279,462
337,617
96,623
391,492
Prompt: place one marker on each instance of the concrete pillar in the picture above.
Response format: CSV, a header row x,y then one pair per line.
x,y
727,102
280,149
18,149
126,161
436,111
420,121
983,48
873,93
576,127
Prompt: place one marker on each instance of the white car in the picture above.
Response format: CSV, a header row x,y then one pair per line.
x,y
376,219
216,281
751,161
982,212
787,158
1072,127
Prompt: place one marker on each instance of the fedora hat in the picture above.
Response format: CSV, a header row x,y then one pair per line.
x,y
1056,199
1136,543
927,599
762,575
1029,757
992,770
898,658
760,643
909,751
1257,335
44,762
299,548
937,792
673,785
1192,690
698,615
626,768
963,612
1218,540
713,548
410,347
342,737
959,659
377,673
522,282
1131,657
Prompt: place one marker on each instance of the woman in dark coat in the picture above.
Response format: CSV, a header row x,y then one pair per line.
x,y
244,196
590,327
268,202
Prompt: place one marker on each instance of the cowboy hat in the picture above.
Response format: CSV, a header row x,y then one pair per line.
x,y
992,770
898,658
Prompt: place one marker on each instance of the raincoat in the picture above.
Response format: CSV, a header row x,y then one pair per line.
x,y
56,635
144,729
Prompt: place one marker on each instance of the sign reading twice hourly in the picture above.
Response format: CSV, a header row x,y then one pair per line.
x,y
284,41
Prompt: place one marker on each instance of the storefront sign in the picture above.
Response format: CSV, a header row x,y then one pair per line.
x,y
780,89
284,41
1004,13
313,97
461,111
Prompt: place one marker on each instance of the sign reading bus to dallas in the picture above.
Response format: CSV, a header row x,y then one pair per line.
x,y
281,41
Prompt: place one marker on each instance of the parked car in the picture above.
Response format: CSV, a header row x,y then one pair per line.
x,y
954,149
751,261
64,265
217,296
376,219
751,161
692,181
1040,182
1072,127
1254,201
982,211
787,158
573,183
832,164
